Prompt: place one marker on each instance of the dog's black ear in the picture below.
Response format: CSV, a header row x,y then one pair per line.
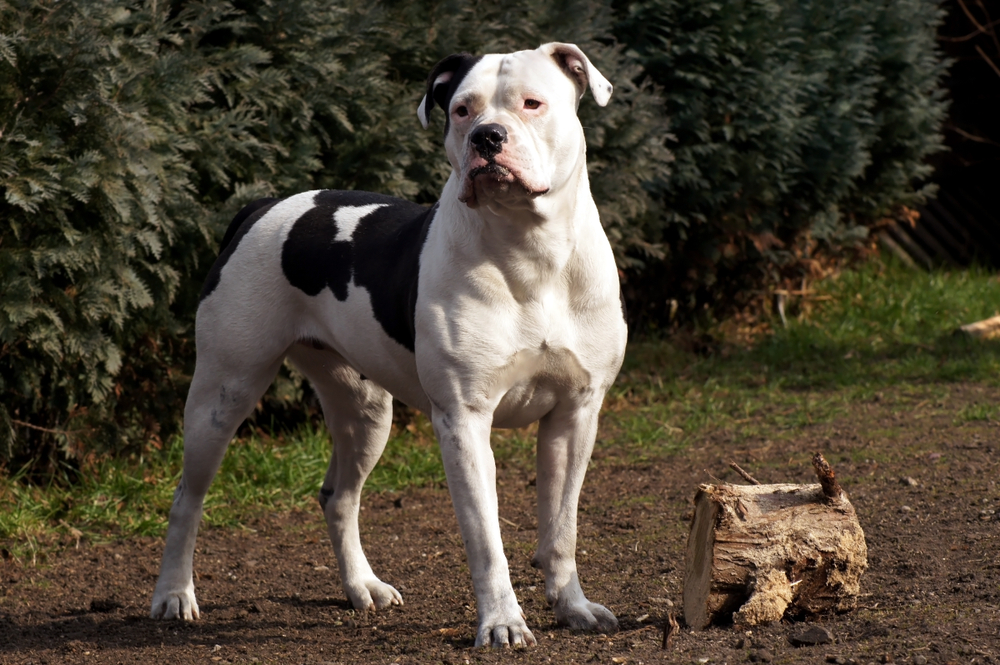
x,y
442,83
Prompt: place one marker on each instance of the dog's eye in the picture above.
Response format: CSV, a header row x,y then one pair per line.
x,y
532,104
461,111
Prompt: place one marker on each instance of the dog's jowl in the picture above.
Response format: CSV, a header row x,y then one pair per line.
x,y
496,307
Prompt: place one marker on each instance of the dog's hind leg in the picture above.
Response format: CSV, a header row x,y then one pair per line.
x,y
565,442
224,391
358,413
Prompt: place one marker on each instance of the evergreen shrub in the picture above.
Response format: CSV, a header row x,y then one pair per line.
x,y
797,123
131,131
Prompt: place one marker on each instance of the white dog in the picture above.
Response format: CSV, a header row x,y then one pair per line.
x,y
496,307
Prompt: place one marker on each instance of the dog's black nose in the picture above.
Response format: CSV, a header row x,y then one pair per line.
x,y
488,139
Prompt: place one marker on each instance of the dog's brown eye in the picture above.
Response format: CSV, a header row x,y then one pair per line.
x,y
532,104
461,111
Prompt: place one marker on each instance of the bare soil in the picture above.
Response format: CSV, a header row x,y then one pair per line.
x,y
923,482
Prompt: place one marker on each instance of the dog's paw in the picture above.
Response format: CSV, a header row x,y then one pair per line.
x,y
585,615
503,632
175,605
372,594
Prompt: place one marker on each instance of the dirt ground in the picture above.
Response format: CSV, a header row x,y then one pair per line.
x,y
923,482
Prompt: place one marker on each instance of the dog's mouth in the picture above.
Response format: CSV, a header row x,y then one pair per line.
x,y
491,169
496,179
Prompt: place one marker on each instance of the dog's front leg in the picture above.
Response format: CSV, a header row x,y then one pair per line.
x,y
565,442
471,470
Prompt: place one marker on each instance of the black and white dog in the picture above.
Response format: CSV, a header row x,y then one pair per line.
x,y
497,307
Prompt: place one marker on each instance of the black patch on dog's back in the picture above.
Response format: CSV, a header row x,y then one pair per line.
x,y
388,264
239,227
310,258
382,256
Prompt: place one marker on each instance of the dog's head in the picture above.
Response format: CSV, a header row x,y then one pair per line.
x,y
511,131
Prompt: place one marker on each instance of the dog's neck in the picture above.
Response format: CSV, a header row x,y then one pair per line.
x,y
531,242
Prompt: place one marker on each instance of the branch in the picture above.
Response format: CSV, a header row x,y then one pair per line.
x,y
746,476
62,432
987,59
986,29
972,18
972,137
670,628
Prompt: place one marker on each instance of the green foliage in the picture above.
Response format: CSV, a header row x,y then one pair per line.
x,y
131,131
880,330
797,124
96,198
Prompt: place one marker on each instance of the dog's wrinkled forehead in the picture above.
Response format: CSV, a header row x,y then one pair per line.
x,y
548,65
511,74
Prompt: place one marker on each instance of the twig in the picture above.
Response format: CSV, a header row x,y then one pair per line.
x,y
827,478
63,432
972,137
987,59
972,18
509,523
989,20
746,476
981,30
779,303
670,628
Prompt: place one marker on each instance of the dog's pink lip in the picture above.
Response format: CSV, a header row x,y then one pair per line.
x,y
485,171
498,171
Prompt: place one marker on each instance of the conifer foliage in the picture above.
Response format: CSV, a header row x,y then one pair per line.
x,y
797,122
131,131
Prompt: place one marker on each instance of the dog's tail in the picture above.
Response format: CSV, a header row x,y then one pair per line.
x,y
241,217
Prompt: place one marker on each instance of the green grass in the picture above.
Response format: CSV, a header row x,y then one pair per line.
x,y
880,329
974,412
113,498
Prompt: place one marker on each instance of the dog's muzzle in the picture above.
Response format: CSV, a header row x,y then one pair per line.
x,y
488,140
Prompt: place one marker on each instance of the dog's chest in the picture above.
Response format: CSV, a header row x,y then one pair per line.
x,y
564,354
516,357
534,381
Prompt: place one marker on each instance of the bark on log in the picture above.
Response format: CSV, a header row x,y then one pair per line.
x,y
759,552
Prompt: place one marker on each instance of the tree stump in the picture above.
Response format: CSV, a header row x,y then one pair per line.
x,y
759,552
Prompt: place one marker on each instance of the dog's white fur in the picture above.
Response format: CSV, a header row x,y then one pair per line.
x,y
517,319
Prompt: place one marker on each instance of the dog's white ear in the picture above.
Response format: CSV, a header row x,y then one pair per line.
x,y
442,82
577,66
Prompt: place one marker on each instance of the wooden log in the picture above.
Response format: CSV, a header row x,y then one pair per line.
x,y
985,329
757,553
